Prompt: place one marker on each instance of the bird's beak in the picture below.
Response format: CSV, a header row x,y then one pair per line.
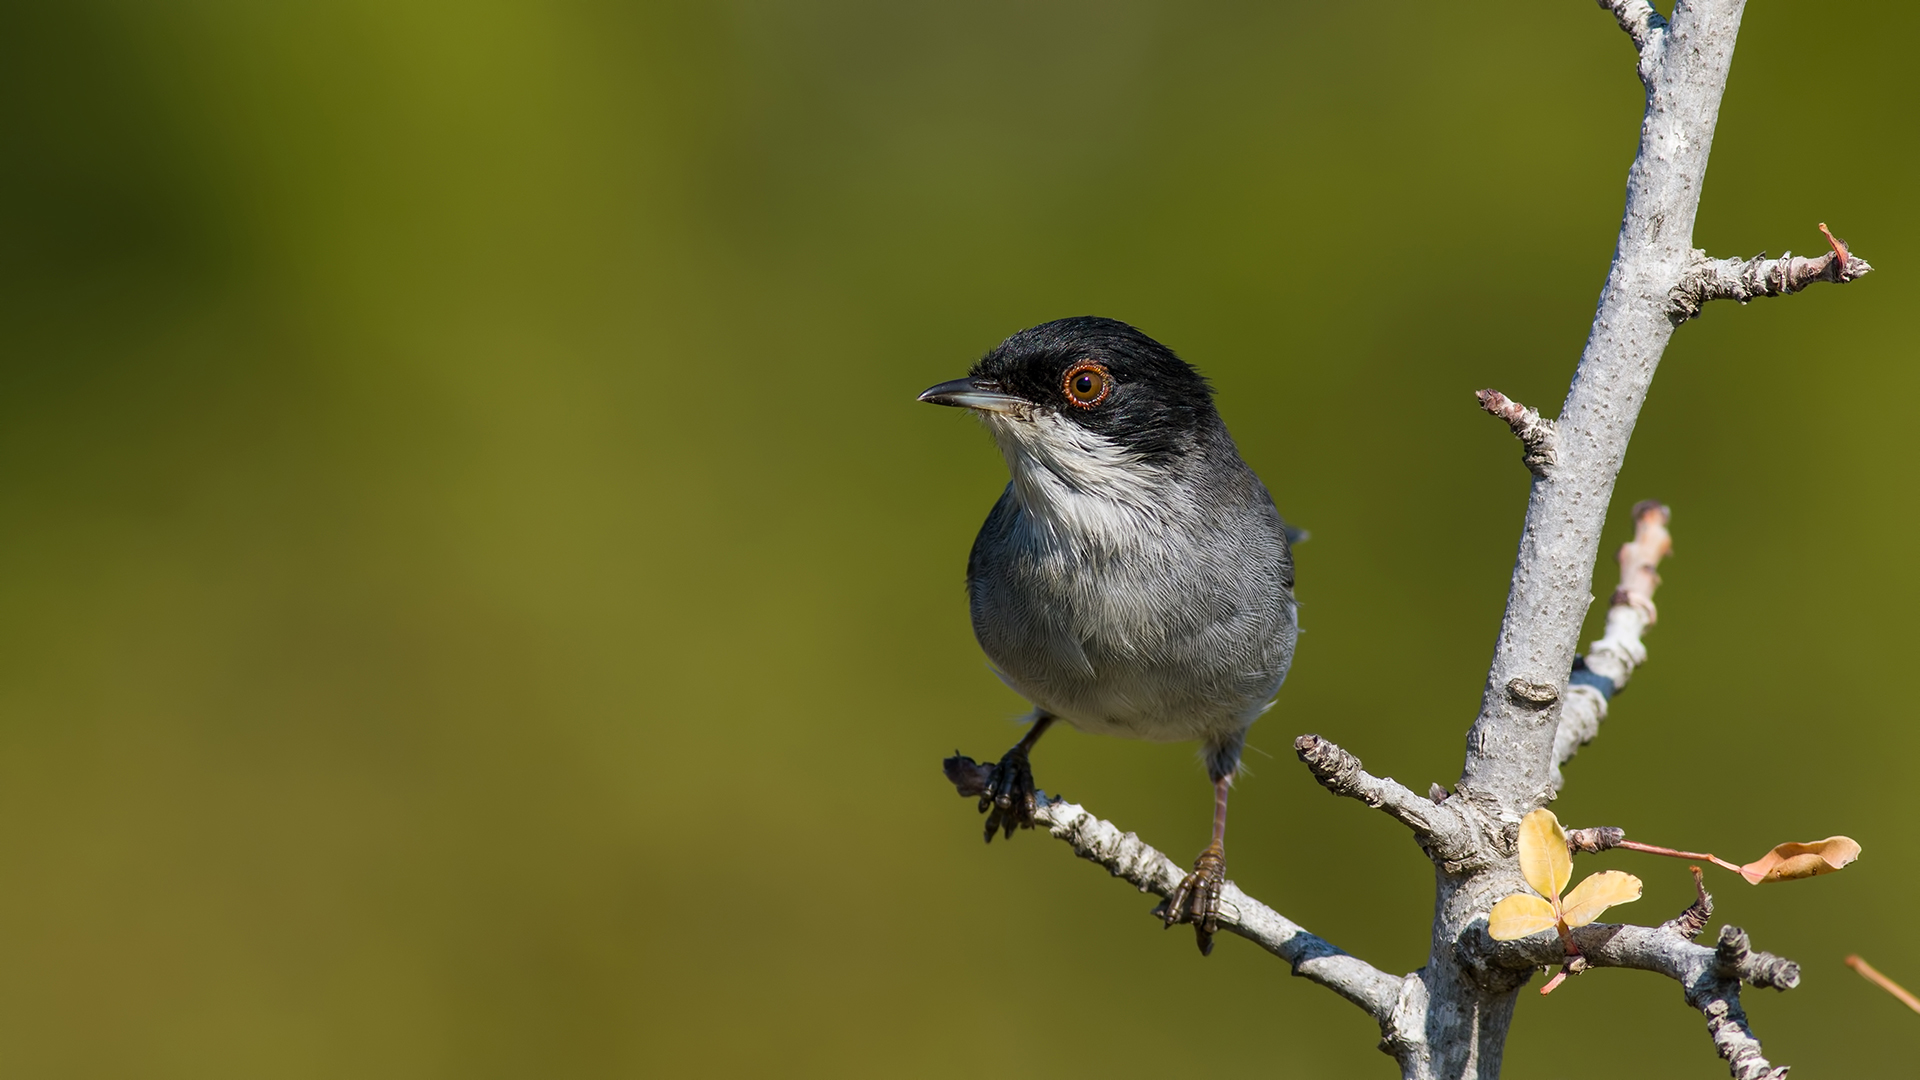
x,y
968,394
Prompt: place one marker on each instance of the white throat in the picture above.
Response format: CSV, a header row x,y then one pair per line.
x,y
1080,487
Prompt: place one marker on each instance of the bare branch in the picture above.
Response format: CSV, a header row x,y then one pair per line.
x,y
1719,1001
1710,977
1535,434
1610,661
1745,280
1130,858
1734,958
1435,825
1510,750
1647,27
1660,949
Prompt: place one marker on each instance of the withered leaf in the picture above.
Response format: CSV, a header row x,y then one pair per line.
x,y
1790,861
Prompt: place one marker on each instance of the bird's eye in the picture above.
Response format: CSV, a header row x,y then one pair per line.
x,y
1088,384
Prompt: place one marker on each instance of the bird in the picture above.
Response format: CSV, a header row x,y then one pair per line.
x,y
1134,578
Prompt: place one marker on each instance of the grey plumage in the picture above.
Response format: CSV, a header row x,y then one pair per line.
x,y
1134,579
1162,610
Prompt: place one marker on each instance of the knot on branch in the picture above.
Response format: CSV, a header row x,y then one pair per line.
x,y
1735,958
1746,280
1538,440
1595,840
1532,695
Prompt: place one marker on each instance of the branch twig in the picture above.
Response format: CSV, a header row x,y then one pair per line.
x,y
1535,433
1695,917
1133,860
1610,661
1746,280
1436,826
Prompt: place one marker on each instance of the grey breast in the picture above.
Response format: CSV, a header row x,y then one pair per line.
x,y
1182,628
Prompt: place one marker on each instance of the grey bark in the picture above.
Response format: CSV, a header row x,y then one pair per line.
x,y
1450,1019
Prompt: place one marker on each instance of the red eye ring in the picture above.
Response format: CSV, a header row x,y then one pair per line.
x,y
1087,384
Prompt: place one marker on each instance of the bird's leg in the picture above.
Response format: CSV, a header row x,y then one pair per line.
x,y
1197,898
1009,798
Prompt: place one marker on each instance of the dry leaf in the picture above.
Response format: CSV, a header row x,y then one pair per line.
x,y
1520,916
1596,894
1544,860
1789,861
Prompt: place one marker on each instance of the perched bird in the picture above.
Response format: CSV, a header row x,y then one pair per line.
x,y
1134,579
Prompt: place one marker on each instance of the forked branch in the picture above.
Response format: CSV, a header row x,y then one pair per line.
x,y
1647,27
1710,977
1449,1020
1438,827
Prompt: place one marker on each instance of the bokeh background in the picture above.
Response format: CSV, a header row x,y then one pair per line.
x,y
480,599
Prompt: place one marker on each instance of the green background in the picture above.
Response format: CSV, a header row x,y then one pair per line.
x,y
480,599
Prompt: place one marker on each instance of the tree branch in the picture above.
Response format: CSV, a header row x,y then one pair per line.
x,y
1131,859
1710,977
1449,1020
1610,661
1510,750
1437,826
1745,280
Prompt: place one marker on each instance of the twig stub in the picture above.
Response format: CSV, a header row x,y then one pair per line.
x,y
1536,434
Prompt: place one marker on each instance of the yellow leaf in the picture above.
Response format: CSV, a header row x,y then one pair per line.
x,y
1790,861
1544,860
1596,894
1518,916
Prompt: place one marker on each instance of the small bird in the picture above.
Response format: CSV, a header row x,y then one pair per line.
x,y
1135,578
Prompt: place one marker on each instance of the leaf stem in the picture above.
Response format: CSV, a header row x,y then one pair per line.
x,y
1654,849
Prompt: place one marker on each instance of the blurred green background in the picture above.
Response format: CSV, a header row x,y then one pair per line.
x,y
481,600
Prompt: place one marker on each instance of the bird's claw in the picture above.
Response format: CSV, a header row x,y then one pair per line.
x,y
1010,799
1196,899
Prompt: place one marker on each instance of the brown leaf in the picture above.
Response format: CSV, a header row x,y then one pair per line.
x,y
1789,861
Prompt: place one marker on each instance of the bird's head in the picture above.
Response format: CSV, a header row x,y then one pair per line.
x,y
1085,396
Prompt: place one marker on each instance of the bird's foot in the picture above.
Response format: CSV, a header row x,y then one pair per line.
x,y
1006,791
1197,898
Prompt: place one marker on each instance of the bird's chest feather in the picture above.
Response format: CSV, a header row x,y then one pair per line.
x,y
1128,617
